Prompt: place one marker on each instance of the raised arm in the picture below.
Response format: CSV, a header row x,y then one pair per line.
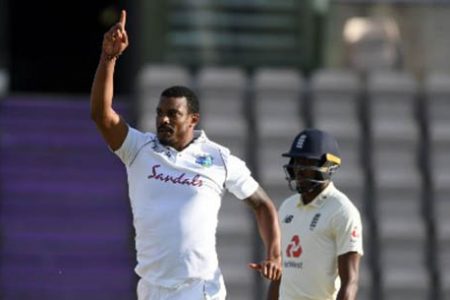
x,y
112,127
269,230
348,265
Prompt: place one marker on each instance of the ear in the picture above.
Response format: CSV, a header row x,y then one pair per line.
x,y
195,118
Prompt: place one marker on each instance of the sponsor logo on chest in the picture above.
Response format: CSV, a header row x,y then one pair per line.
x,y
181,179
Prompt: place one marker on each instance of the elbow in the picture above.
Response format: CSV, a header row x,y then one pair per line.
x,y
99,116
266,208
105,119
95,116
351,281
96,112
349,289
100,120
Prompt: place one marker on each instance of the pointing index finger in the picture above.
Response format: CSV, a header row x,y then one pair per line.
x,y
123,19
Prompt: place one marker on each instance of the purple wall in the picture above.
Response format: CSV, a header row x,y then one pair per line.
x,y
66,230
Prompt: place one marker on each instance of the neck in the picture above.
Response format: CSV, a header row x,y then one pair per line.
x,y
308,197
184,143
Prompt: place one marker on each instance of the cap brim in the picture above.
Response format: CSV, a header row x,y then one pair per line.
x,y
305,155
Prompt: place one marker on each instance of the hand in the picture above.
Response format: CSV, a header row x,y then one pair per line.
x,y
269,268
115,41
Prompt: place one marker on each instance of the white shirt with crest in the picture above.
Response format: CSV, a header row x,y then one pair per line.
x,y
313,236
175,199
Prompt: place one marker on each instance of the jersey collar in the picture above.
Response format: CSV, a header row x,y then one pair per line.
x,y
199,137
320,199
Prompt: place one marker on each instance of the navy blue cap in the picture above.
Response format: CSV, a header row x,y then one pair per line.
x,y
315,144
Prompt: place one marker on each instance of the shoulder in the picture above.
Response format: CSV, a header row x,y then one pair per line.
x,y
341,204
289,202
144,136
137,140
132,145
215,149
213,146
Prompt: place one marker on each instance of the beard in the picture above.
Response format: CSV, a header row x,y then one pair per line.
x,y
165,135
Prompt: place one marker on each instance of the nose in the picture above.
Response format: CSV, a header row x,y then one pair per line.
x,y
163,119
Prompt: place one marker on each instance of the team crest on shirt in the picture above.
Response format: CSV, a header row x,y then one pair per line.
x,y
314,221
204,160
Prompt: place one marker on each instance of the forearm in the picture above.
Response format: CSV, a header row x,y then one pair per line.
x,y
348,291
273,292
269,230
267,221
102,92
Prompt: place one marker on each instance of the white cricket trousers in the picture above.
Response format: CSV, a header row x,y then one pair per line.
x,y
193,290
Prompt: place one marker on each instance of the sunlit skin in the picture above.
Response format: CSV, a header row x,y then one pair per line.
x,y
174,123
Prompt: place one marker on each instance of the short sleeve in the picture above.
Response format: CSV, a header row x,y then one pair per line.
x,y
348,231
131,146
239,180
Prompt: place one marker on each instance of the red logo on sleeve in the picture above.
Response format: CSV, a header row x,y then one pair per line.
x,y
356,233
294,249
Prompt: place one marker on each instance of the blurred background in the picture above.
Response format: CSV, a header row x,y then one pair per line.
x,y
375,74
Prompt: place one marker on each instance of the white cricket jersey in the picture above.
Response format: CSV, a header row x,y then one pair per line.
x,y
175,199
313,236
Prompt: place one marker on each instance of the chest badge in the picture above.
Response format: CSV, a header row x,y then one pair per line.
x,y
204,160
314,221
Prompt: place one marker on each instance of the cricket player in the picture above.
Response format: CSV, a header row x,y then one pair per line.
x,y
176,179
320,227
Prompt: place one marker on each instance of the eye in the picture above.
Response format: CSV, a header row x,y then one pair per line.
x,y
174,114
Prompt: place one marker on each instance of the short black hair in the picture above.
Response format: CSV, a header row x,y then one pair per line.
x,y
179,91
